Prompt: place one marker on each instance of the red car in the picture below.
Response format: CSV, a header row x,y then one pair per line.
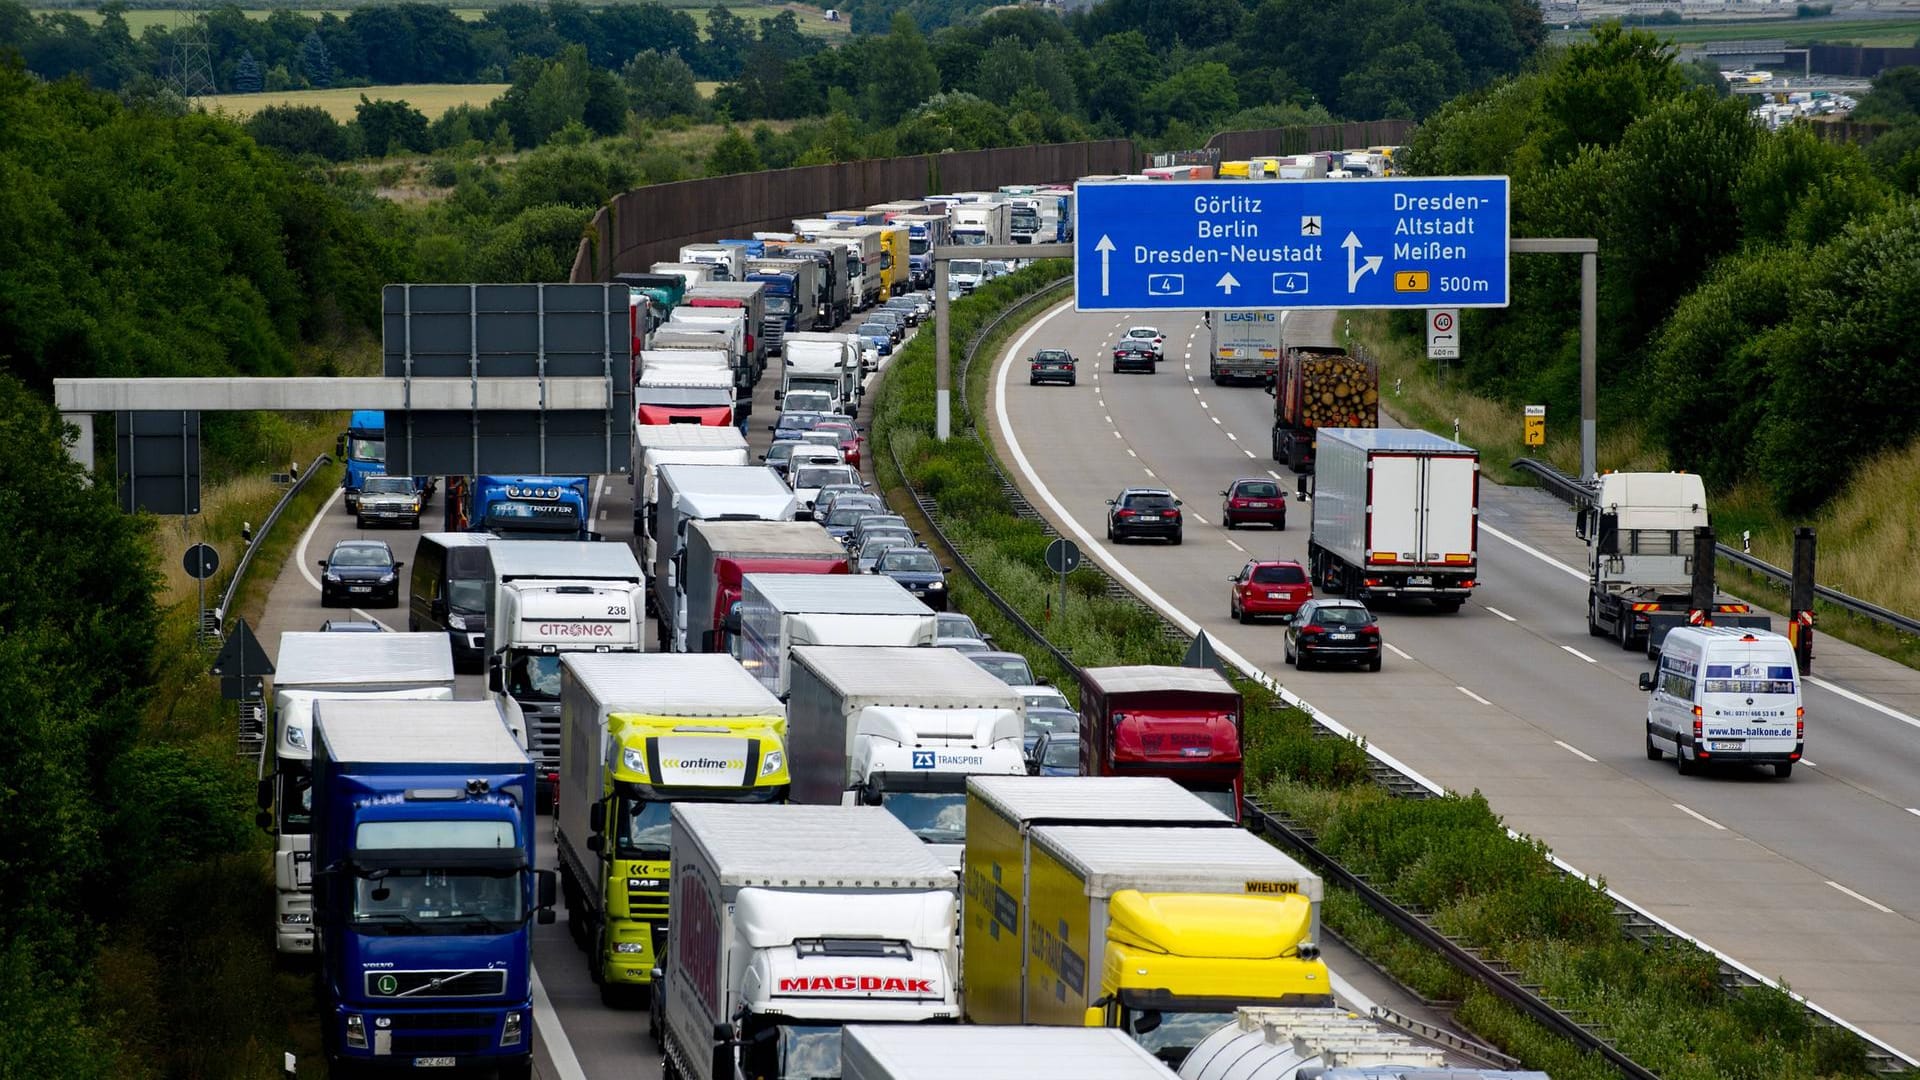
x,y
850,440
1254,500
1269,587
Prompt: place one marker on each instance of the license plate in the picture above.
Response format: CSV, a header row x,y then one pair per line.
x,y
1339,637
302,872
1149,517
1276,596
1420,580
1725,744
1258,505
359,588
433,1063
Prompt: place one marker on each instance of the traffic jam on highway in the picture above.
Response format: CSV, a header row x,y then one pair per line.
x,y
795,803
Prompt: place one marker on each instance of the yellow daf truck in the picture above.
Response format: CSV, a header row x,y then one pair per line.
x,y
1161,931
640,732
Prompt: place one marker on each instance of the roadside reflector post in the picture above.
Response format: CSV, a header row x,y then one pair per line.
x,y
1703,555
1800,599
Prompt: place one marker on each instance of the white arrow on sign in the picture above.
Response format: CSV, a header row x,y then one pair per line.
x,y
1228,282
1371,262
1105,248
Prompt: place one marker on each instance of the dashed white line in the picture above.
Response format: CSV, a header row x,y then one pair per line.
x,y
1580,654
1915,811
1232,436
1249,453
1533,551
1149,471
1503,614
1130,453
1704,819
1273,474
603,515
1216,419
1204,405
1808,764
1576,752
1236,547
1107,418
1875,904
1198,518
1116,434
1196,390
1868,702
1473,695
1397,651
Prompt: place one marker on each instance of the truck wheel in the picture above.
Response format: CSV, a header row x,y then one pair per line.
x,y
519,1070
1594,629
1621,634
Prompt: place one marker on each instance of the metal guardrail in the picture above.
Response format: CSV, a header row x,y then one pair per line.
x,y
1579,493
221,613
1390,774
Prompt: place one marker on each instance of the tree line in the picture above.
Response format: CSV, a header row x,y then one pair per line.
x,y
1759,291
386,43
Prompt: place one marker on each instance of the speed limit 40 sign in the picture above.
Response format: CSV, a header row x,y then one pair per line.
x,y
1443,333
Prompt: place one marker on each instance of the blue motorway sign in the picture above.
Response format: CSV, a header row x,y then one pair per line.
x,y
1212,245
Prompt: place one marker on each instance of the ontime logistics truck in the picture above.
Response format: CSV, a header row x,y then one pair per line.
x,y
779,612
1320,387
714,562
1396,515
643,731
1178,722
791,921
549,597
425,887
901,729
313,667
1161,932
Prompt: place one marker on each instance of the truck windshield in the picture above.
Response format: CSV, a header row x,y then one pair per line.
x,y
365,448
779,305
296,798
645,830
1178,1032
967,267
938,817
1220,797
918,246
439,902
534,677
807,401
793,1052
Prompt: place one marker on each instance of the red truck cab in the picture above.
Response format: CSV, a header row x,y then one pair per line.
x,y
1185,724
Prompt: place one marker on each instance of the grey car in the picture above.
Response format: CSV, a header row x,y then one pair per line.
x,y
875,544
389,500
1009,667
846,513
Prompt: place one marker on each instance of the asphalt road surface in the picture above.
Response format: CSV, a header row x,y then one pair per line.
x,y
1814,880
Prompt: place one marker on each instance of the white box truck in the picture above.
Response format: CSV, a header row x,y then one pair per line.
x,y
979,223
546,597
655,445
781,611
688,493
831,363
1243,346
1396,515
729,262
791,921
313,667
685,395
716,558
901,729
966,1052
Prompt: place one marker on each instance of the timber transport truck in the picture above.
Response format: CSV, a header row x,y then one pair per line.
x,y
313,667
1161,932
791,921
1396,515
1320,387
425,890
642,731
1178,722
1640,559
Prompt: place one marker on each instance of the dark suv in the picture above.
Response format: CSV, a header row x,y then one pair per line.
x,y
1332,631
1143,512
1051,365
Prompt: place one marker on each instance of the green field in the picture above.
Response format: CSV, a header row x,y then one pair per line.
x,y
812,19
430,98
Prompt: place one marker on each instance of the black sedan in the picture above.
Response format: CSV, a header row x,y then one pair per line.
x,y
1051,365
360,572
918,572
1332,631
1135,356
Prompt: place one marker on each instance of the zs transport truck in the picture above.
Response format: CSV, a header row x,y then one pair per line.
x,y
643,731
1178,722
314,667
545,598
790,922
1396,515
1161,932
901,729
425,890
1320,387
1243,346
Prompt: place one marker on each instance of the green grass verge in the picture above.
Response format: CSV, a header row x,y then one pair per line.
x,y
1449,856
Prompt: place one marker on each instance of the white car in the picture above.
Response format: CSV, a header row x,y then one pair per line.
x,y
1150,336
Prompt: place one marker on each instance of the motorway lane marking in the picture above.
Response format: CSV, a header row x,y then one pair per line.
x,y
300,553
1232,436
1531,550
1236,547
1198,518
1875,904
1473,695
1503,614
1913,811
1215,419
1107,418
1249,453
1204,405
1868,702
1149,471
1698,816
1580,654
1116,434
603,515
1130,453
546,1021
1808,764
1576,752
1397,651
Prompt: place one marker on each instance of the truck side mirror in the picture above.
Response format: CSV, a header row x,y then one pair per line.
x,y
340,445
1580,524
1606,538
1646,680
733,621
596,843
597,817
546,888
438,608
263,793
495,675
264,820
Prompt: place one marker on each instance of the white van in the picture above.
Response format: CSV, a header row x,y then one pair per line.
x,y
1728,694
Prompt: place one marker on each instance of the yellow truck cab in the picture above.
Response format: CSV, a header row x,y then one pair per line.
x,y
642,731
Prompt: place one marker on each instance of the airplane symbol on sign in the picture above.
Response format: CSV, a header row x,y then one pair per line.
x,y
1310,225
